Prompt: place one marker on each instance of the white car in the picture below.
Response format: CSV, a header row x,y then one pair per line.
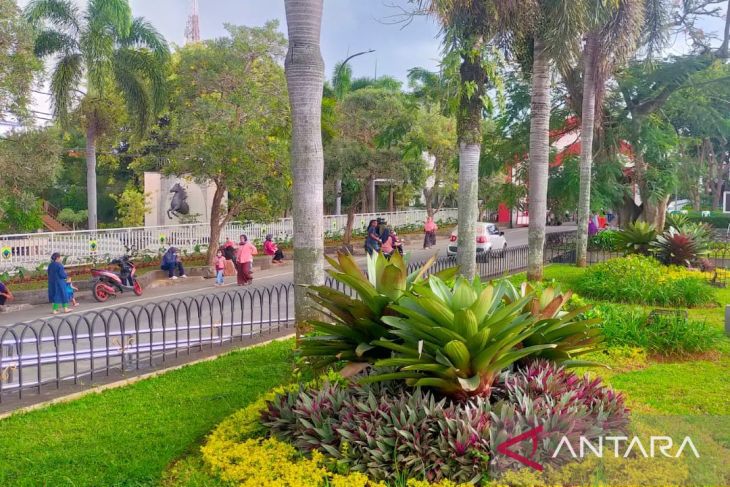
x,y
489,239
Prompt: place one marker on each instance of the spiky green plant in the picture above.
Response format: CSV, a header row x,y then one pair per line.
x,y
572,333
456,340
354,323
636,238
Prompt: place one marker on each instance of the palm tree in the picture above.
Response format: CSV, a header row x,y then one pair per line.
x,y
102,49
305,80
469,29
549,30
612,37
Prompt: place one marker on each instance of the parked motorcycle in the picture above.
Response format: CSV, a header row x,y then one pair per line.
x,y
107,283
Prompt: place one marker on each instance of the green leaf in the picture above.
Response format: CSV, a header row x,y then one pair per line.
x,y
471,384
458,354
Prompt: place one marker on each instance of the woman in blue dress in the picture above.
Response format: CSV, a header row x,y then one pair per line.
x,y
57,294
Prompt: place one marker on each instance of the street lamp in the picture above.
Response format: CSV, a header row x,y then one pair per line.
x,y
338,181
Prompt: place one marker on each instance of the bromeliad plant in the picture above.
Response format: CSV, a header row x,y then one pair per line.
x,y
572,333
636,238
457,340
355,323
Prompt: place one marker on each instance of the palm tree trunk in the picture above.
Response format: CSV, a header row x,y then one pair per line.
x,y
469,130
305,79
586,155
91,171
539,159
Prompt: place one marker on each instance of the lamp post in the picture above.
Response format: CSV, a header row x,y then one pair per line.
x,y
338,181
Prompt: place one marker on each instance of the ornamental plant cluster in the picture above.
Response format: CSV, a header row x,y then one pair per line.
x,y
388,430
448,334
683,242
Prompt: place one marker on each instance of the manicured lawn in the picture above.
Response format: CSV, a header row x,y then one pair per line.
x,y
128,436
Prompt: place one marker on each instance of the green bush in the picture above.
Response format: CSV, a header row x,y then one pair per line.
x,y
665,335
605,240
644,280
716,219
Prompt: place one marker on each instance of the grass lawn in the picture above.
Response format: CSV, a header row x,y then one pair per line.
x,y
128,436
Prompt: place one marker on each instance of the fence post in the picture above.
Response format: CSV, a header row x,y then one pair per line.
x,y
727,319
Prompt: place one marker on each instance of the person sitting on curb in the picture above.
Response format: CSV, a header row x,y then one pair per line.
x,y
5,295
171,261
270,248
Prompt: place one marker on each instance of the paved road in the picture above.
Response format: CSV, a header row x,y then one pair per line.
x,y
196,286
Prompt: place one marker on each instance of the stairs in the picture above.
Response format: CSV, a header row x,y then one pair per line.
x,y
50,222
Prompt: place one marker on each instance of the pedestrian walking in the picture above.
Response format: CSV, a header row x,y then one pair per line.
x,y
171,261
429,229
71,291
372,241
220,268
244,259
57,291
273,250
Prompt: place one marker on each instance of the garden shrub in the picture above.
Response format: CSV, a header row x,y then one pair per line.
x,y
605,240
666,335
644,280
386,430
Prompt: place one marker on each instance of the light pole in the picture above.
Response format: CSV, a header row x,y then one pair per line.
x,y
338,181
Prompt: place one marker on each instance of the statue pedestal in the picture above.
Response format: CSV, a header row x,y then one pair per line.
x,y
199,198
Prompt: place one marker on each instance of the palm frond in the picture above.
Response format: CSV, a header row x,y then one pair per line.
x,y
50,42
131,83
113,13
62,13
655,35
66,77
142,34
97,47
145,66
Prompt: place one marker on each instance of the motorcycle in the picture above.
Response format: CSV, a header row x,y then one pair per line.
x,y
107,283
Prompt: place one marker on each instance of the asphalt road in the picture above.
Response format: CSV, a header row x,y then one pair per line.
x,y
197,286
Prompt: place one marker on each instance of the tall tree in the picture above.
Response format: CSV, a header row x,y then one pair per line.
x,y
305,79
613,31
469,28
104,48
17,63
542,31
234,134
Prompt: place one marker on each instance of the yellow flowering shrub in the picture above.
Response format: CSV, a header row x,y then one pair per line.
x,y
236,452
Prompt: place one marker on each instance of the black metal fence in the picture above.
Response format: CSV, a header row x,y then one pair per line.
x,y
69,349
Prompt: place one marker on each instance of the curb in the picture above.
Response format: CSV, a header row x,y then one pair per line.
x,y
132,380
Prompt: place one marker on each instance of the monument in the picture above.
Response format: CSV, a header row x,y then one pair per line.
x,y
175,200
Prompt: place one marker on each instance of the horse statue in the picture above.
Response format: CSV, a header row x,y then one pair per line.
x,y
178,204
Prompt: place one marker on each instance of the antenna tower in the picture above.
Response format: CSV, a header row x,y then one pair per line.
x,y
192,29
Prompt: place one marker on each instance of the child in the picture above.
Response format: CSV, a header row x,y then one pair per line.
x,y
220,267
70,288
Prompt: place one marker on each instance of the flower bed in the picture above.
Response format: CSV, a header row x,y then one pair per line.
x,y
454,369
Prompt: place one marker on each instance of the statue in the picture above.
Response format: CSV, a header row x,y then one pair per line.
x,y
179,203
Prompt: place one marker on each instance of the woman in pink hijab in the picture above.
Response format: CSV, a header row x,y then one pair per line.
x,y
429,228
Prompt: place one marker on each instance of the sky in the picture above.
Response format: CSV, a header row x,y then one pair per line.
x,y
348,26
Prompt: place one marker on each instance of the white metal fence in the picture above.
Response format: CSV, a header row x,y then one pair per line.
x,y
32,250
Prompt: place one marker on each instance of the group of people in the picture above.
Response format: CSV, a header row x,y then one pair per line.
x,y
240,258
599,221
382,238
